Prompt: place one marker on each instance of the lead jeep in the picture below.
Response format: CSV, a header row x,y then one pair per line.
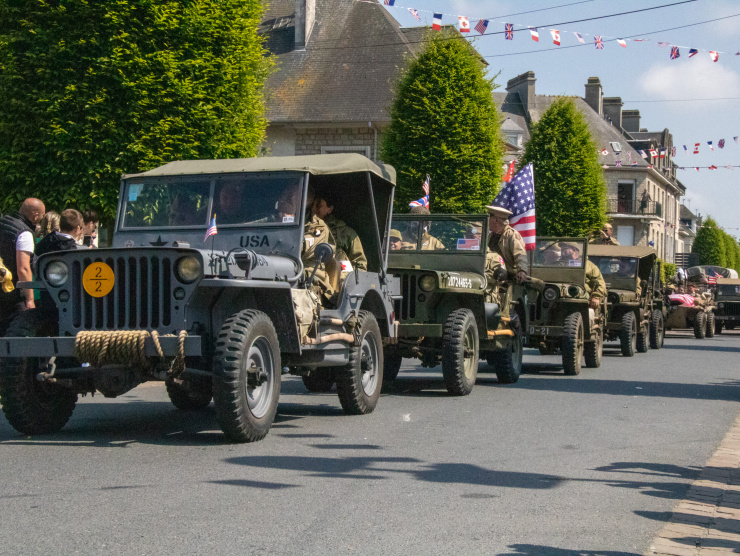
x,y
727,297
213,316
560,317
444,316
633,318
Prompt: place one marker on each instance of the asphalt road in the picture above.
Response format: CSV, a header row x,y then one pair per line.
x,y
551,465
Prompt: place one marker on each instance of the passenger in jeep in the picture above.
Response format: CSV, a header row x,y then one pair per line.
x,y
595,284
349,246
428,241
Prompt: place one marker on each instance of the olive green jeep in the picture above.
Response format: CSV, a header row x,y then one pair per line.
x,y
633,317
444,315
727,297
560,317
686,310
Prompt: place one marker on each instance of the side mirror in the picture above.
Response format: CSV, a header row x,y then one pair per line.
x,y
323,252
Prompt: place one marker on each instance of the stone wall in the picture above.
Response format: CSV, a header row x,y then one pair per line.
x,y
310,140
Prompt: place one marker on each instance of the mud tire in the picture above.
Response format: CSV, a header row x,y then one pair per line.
x,y
657,330
572,344
628,335
360,381
460,335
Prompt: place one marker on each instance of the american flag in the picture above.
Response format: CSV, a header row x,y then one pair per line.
x,y
579,37
675,53
481,26
415,13
681,299
721,144
518,197
468,244
712,276
212,230
509,31
425,186
598,42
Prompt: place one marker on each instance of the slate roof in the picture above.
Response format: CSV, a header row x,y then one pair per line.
x,y
348,70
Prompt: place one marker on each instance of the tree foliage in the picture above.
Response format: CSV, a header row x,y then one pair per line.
x,y
445,124
93,89
570,191
710,244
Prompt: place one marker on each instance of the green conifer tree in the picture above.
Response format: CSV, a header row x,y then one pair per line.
x,y
92,89
445,124
570,190
710,244
730,250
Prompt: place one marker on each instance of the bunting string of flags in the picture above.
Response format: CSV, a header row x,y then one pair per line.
x,y
662,152
509,29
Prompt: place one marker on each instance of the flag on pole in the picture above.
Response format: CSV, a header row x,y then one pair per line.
x,y
622,43
437,22
535,34
518,197
212,230
675,53
598,42
555,36
415,13
714,55
693,52
579,37
425,185
481,26
509,31
464,24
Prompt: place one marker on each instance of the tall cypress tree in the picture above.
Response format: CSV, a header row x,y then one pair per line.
x,y
570,190
730,250
445,124
710,244
93,89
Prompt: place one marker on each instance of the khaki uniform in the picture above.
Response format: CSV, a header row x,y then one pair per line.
x,y
492,264
316,231
349,246
431,243
510,245
595,284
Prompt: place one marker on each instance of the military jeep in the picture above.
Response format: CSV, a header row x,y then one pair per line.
x,y
727,297
632,317
560,317
443,314
212,315
692,311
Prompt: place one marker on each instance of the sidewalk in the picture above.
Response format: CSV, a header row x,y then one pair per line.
x,y
707,521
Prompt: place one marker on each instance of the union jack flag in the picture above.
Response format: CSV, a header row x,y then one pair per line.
x,y
415,13
423,202
598,42
509,31
675,53
212,230
618,163
481,26
673,151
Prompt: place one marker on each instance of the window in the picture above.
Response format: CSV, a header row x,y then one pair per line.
x,y
616,147
346,149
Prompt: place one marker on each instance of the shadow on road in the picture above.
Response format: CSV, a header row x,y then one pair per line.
x,y
541,550
704,347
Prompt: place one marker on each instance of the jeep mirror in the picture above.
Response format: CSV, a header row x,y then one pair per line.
x,y
323,252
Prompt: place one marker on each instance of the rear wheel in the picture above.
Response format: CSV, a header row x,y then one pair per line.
x,y
190,395
700,326
571,344
360,381
247,369
319,380
710,325
508,362
460,352
643,339
33,407
657,330
628,335
594,350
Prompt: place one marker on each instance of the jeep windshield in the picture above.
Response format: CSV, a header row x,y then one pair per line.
x,y
728,290
549,253
452,235
616,267
255,199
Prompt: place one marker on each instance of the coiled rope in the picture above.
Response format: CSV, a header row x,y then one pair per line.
x,y
125,347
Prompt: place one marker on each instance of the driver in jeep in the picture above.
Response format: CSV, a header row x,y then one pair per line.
x,y
595,285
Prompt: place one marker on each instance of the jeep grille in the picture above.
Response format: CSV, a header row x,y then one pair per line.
x,y
408,291
730,309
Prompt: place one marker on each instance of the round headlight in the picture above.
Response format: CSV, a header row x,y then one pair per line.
x,y
188,269
57,273
574,291
551,294
427,282
721,305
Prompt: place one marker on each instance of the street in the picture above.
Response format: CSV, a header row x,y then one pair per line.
x,y
556,465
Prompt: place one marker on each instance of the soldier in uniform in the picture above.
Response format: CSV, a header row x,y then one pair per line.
x,y
428,242
316,231
349,246
595,285
604,236
493,263
398,244
508,243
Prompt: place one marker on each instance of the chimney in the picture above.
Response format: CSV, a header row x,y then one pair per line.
x,y
613,110
594,95
305,17
523,85
631,120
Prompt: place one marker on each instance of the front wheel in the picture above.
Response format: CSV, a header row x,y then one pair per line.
x,y
33,407
700,326
594,350
628,335
571,344
710,325
360,381
508,362
657,330
460,352
643,339
247,370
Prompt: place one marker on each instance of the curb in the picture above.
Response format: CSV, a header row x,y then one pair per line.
x,y
707,521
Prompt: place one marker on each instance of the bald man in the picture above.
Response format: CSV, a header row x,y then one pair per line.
x,y
16,251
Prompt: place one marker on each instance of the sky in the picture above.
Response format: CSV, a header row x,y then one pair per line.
x,y
680,95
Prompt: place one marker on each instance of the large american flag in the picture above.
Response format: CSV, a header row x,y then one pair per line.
x,y
518,196
712,276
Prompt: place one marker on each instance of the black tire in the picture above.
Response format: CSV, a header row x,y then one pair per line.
x,y
700,326
628,335
360,381
391,365
594,350
718,327
508,362
710,325
571,344
643,339
319,381
460,347
33,407
657,330
246,403
190,395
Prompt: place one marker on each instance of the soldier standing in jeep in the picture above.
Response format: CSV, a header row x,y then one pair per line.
x,y
508,243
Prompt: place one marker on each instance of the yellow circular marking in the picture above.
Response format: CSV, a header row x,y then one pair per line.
x,y
98,279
